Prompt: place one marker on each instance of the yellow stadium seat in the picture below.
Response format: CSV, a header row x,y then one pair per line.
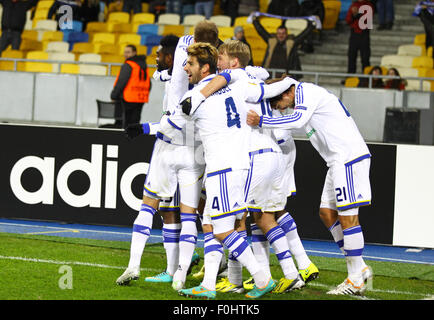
x,y
93,69
331,14
52,36
30,45
396,61
144,17
70,68
414,50
44,4
221,20
104,37
177,30
129,38
37,66
115,59
108,48
57,46
169,18
192,19
60,56
120,27
115,6
422,62
258,56
429,51
83,47
30,35
225,33
296,26
89,57
141,50
414,85
420,38
46,25
270,24
119,17
97,27
9,65
352,82
263,5
241,21
41,14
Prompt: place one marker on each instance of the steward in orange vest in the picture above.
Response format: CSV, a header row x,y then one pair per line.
x,y
132,87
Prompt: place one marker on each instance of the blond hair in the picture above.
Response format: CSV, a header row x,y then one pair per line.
x,y
205,54
236,49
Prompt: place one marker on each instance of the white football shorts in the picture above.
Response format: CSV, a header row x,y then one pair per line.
x,y
347,186
172,165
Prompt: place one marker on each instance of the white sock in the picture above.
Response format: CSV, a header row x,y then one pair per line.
x,y
171,245
353,246
213,251
187,240
338,235
278,242
141,231
261,248
241,251
235,268
287,223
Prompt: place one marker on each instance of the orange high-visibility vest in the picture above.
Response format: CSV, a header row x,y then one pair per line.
x,y
137,88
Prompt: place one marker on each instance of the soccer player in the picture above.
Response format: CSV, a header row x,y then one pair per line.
x,y
220,122
265,206
334,134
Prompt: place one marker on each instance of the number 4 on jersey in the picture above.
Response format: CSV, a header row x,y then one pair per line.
x,y
230,107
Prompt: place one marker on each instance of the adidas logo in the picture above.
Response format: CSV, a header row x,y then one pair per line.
x,y
359,197
287,255
252,202
236,205
191,239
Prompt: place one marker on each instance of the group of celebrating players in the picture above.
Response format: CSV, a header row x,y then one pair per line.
x,y
223,151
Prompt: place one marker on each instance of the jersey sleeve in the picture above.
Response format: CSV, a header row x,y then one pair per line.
x,y
258,72
232,75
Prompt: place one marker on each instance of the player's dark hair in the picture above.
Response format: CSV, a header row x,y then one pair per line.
x,y
274,100
206,31
168,44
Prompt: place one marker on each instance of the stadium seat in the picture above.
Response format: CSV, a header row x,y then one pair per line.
x,y
172,29
148,29
41,14
83,47
296,26
57,46
241,21
225,33
37,66
221,20
115,59
75,37
429,51
129,38
143,18
120,27
270,24
141,50
108,48
30,45
65,56
119,17
420,38
411,50
192,19
169,18
77,26
52,36
9,65
92,69
422,62
414,85
408,72
89,57
70,68
44,4
104,37
150,40
369,68
396,61
46,25
97,27
30,35
331,14
352,82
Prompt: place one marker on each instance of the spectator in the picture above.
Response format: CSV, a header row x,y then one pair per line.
x,y
13,22
311,8
386,14
425,11
359,37
287,8
230,8
132,86
239,35
90,11
204,7
398,84
281,52
246,7
56,9
377,82
135,5
187,7
173,6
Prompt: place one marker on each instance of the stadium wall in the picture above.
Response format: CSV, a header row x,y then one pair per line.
x,y
71,100
95,176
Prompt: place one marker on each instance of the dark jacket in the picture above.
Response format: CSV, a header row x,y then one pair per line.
x,y
76,10
292,61
124,76
14,14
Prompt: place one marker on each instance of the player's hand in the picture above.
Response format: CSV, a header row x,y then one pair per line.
x,y
134,130
253,118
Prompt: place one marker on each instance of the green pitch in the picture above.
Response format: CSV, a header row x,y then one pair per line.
x,y
55,268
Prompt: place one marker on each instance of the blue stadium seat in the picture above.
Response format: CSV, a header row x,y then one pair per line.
x,y
150,40
148,29
75,37
345,5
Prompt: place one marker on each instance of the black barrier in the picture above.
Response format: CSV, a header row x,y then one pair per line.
x,y
95,176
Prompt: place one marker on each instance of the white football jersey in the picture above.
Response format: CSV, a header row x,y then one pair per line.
x,y
222,127
327,122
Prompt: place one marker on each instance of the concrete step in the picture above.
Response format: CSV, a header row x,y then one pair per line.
x,y
342,48
331,59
